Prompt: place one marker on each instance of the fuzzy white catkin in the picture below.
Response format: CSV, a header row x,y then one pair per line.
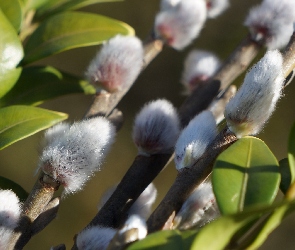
x,y
95,238
272,22
117,64
168,4
199,66
199,208
194,139
142,206
255,101
75,152
181,22
216,7
10,209
156,128
135,221
5,234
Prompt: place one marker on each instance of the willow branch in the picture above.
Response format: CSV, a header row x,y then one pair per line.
x,y
289,56
187,180
35,204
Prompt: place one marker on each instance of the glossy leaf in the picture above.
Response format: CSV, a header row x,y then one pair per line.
x,y
16,188
245,175
71,30
34,4
218,234
285,175
56,6
37,84
19,122
11,53
8,80
166,240
291,153
13,12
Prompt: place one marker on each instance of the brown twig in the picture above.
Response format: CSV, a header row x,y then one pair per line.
x,y
35,204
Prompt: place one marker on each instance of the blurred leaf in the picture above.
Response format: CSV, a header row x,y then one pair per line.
x,y
37,84
13,12
218,234
56,6
285,175
272,222
71,30
19,122
166,240
34,4
16,188
11,52
245,175
291,153
8,80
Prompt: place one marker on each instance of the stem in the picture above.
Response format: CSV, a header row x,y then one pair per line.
x,y
187,180
289,57
38,199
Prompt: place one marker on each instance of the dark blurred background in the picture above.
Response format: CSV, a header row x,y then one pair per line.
x,y
160,80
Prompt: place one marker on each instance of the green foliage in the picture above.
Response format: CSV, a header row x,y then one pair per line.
x,y
11,185
37,84
245,175
291,153
71,30
18,122
56,6
11,53
167,239
13,12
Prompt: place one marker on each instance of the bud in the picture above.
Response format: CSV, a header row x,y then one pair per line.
x,y
156,128
255,101
180,22
5,235
10,209
199,209
272,22
199,66
135,221
168,4
216,7
75,152
95,238
194,139
142,206
117,64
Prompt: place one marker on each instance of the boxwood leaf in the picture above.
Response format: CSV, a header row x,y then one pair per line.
x,y
291,153
71,30
245,175
56,6
286,178
13,12
19,122
37,84
11,52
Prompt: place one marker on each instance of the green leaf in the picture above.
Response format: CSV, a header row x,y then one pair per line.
x,y
218,234
34,4
16,188
291,153
8,80
56,6
13,12
167,239
245,175
19,122
71,30
285,175
37,84
11,52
